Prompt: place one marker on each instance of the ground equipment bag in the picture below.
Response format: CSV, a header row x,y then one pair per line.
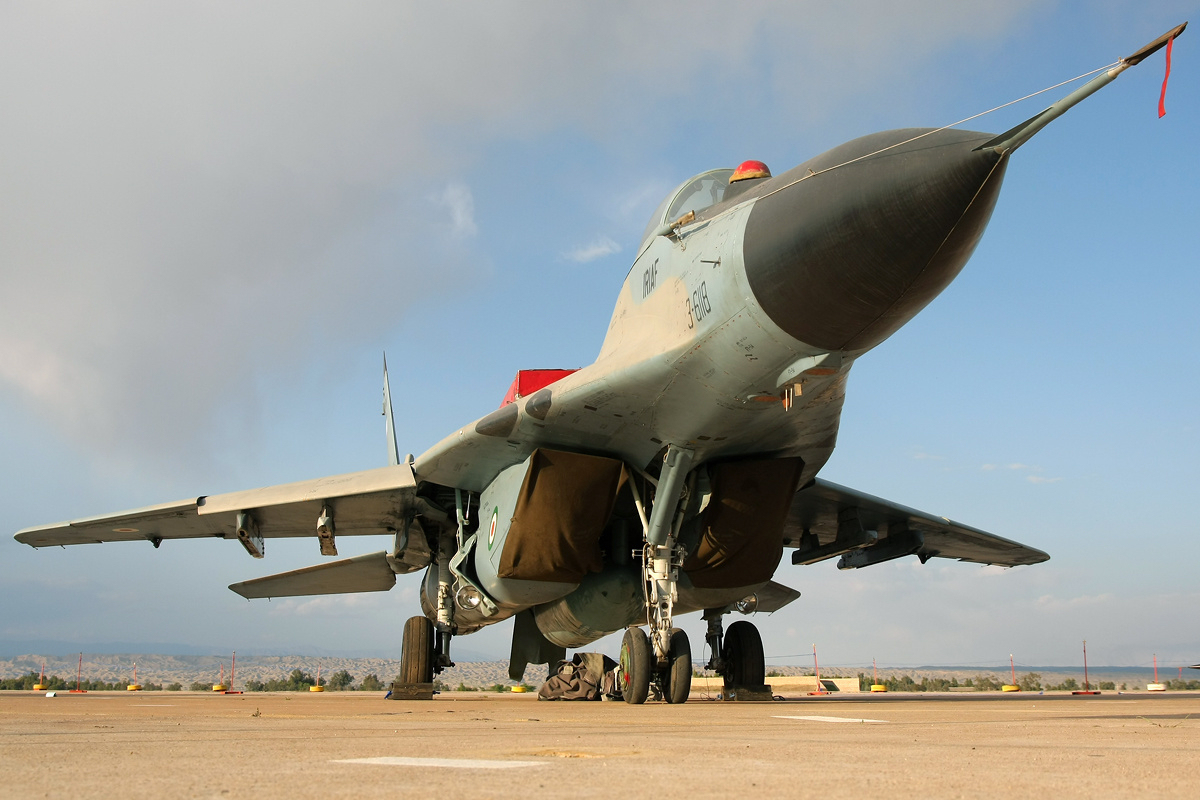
x,y
587,676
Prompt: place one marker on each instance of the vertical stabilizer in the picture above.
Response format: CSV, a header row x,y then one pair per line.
x,y
389,420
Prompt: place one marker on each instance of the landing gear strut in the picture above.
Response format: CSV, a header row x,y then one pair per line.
x,y
666,658
426,648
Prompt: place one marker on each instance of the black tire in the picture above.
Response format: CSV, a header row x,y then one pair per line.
x,y
635,666
742,651
416,653
677,677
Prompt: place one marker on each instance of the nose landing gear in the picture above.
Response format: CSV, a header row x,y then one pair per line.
x,y
665,657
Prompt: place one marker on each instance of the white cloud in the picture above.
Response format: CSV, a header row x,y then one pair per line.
x,y
332,605
1052,602
201,200
598,248
458,200
1018,467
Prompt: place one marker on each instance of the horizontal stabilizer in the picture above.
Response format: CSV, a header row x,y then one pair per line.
x,y
369,573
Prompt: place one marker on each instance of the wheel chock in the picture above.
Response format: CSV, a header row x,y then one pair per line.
x,y
747,694
412,691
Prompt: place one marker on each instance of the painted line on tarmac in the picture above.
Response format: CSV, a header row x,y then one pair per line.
x,y
447,763
832,719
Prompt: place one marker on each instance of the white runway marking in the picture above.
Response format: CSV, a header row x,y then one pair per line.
x,y
449,763
831,719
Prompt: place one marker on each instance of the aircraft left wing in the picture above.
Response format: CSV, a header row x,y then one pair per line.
x,y
828,520
375,501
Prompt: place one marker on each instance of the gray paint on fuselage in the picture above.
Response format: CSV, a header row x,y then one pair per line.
x,y
667,374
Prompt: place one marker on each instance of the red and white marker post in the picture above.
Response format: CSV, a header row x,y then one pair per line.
x,y
1087,688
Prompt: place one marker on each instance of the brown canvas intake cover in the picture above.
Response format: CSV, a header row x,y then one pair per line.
x,y
561,510
742,540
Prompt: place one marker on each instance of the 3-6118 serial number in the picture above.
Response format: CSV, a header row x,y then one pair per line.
x,y
698,306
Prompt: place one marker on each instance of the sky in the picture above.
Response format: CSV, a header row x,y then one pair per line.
x,y
215,218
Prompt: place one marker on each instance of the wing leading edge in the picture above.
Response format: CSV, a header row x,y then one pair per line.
x,y
375,501
828,520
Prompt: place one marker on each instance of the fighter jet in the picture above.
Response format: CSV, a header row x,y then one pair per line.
x,y
671,475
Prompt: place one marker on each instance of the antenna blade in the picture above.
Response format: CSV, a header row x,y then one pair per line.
x,y
389,420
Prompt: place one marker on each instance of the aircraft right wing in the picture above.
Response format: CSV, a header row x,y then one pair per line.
x,y
828,520
376,501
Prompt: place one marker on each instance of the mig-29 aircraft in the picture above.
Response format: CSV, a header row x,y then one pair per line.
x,y
670,475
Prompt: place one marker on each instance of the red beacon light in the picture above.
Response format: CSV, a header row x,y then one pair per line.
x,y
750,169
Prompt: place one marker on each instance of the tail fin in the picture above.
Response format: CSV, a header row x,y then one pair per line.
x,y
389,420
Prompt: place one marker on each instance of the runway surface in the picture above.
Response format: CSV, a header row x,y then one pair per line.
x,y
168,744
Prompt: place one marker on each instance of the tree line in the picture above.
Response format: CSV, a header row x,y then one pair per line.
x,y
301,681
57,684
298,681
1029,682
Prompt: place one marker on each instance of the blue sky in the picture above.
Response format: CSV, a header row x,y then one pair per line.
x,y
215,221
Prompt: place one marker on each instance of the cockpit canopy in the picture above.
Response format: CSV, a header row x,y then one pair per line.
x,y
704,190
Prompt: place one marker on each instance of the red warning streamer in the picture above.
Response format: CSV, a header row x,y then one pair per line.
x,y
1162,97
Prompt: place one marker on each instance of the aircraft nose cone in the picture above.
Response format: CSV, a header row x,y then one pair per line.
x,y
842,259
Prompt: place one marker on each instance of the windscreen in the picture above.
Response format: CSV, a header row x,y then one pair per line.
x,y
697,194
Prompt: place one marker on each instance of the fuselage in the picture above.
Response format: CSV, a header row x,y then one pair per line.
x,y
734,333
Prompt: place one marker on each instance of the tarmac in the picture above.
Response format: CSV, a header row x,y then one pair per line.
x,y
355,744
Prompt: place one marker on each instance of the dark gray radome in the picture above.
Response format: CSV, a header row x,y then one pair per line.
x,y
843,259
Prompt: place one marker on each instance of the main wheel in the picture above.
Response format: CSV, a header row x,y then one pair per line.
x,y
416,653
635,666
742,651
676,679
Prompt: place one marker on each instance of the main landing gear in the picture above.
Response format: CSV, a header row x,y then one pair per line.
x,y
425,651
742,653
737,653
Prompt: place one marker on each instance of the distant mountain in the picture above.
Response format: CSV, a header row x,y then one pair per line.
x,y
187,669
10,648
13,647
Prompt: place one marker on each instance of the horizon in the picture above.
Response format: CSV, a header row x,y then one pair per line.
x,y
109,652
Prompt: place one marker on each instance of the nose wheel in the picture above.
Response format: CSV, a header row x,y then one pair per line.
x,y
675,679
639,668
635,666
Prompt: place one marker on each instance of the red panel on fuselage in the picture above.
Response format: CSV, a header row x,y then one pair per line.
x,y
529,381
